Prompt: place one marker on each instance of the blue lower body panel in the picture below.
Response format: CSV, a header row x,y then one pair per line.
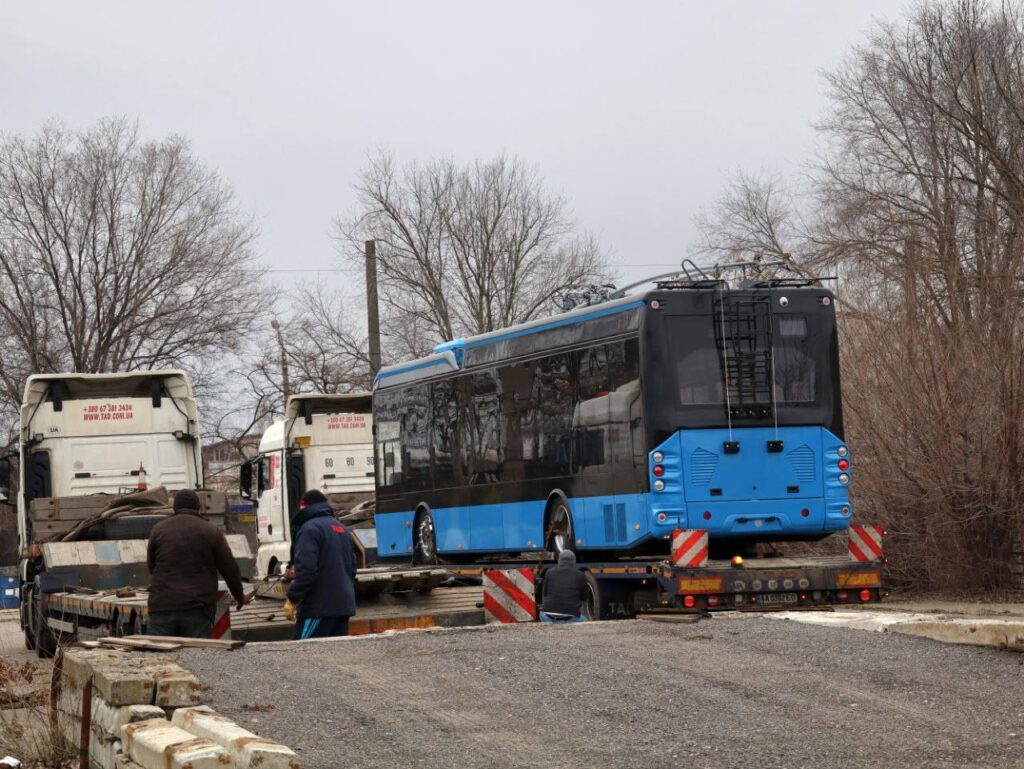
x,y
620,522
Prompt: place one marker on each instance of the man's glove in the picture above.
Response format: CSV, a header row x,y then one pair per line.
x,y
247,598
289,611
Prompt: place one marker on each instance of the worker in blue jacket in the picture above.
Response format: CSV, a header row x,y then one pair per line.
x,y
323,587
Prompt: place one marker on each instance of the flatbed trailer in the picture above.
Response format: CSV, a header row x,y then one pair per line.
x,y
625,588
387,598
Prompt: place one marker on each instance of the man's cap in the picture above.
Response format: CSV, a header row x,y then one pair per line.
x,y
313,496
186,499
567,558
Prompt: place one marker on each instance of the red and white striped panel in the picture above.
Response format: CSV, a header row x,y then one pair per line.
x,y
689,548
222,619
510,595
865,543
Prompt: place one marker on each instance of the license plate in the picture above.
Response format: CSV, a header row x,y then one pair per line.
x,y
777,598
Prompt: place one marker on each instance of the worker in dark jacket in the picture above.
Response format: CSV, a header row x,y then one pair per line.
x,y
565,589
185,554
323,588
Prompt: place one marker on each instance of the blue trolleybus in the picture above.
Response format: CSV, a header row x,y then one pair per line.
x,y
601,430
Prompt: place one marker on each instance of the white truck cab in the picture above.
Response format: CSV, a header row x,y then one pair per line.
x,y
324,442
84,440
87,434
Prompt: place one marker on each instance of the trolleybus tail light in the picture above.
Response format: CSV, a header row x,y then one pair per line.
x,y
658,457
842,596
865,596
689,602
844,478
842,451
662,517
707,515
846,510
805,512
659,485
658,471
712,601
844,465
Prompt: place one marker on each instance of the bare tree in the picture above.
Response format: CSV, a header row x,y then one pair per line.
x,y
754,215
919,200
116,254
465,250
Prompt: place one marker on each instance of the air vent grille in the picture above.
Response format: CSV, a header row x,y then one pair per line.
x,y
702,467
804,463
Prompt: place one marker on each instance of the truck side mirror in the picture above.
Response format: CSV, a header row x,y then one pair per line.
x,y
245,480
5,479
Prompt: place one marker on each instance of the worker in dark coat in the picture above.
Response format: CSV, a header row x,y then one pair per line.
x,y
323,588
565,589
185,554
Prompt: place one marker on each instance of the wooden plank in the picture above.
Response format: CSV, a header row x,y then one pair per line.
x,y
199,643
141,643
98,501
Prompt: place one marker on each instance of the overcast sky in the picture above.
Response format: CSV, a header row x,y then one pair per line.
x,y
635,112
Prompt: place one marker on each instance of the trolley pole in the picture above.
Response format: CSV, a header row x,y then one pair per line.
x,y
372,310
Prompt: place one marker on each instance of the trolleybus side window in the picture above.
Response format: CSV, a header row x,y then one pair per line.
x,y
483,429
415,425
389,447
554,396
446,434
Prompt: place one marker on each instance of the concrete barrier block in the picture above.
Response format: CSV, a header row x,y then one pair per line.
x,y
247,750
70,728
997,633
103,754
78,665
123,685
70,701
176,687
110,719
157,744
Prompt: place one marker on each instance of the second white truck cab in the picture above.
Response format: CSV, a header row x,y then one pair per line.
x,y
324,442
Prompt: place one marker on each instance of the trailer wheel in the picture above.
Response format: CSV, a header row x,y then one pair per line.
x,y
26,619
561,534
424,539
45,643
592,603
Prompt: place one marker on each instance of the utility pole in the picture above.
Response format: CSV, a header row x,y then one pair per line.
x,y
285,386
372,311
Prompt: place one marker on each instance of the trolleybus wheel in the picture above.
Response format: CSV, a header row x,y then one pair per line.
x,y
425,545
561,532
592,603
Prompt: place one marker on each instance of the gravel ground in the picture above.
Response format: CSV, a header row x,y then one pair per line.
x,y
743,692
